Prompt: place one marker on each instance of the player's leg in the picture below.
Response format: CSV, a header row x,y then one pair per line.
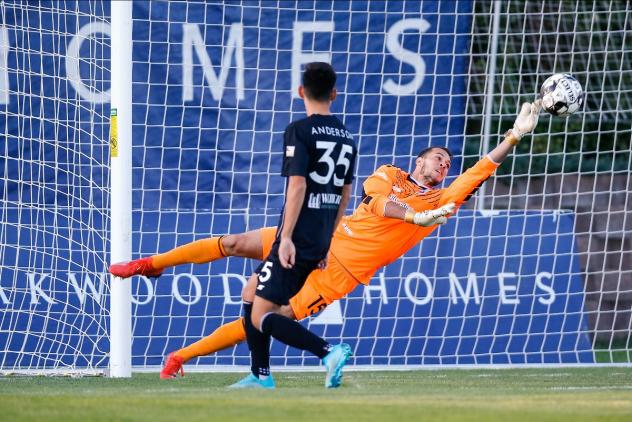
x,y
258,342
294,334
274,288
225,336
248,245
272,292
306,302
321,288
233,332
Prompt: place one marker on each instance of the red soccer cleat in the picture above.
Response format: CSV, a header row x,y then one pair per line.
x,y
140,266
173,365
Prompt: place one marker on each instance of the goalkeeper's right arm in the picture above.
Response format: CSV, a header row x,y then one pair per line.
x,y
379,185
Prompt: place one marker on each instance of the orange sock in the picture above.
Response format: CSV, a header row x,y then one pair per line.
x,y
198,252
225,336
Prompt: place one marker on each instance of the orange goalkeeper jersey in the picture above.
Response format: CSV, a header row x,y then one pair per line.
x,y
366,240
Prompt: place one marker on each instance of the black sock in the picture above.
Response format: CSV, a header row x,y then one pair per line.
x,y
258,343
294,334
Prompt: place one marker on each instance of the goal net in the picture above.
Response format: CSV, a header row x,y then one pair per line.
x,y
54,77
532,270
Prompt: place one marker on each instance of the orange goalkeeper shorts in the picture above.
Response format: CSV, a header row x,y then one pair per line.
x,y
321,288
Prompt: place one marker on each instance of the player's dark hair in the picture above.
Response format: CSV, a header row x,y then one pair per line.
x,y
427,150
319,79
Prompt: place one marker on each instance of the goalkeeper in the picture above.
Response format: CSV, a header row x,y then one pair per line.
x,y
397,211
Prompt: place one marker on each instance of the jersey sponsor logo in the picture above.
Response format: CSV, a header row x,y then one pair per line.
x,y
289,150
398,202
323,200
313,201
331,131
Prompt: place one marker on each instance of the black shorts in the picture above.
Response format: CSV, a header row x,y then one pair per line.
x,y
278,284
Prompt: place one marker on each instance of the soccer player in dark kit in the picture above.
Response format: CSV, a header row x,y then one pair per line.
x,y
319,157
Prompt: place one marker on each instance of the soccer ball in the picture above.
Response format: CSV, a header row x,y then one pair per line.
x,y
562,94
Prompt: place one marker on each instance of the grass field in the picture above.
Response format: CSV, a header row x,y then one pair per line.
x,y
573,394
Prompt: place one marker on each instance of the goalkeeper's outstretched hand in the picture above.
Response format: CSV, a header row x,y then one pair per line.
x,y
432,217
527,119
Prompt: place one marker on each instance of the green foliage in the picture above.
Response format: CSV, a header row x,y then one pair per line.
x,y
560,145
537,39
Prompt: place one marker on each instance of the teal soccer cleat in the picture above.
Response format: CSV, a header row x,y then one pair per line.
x,y
334,362
253,382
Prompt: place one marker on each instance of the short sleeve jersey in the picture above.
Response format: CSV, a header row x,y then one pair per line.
x,y
320,149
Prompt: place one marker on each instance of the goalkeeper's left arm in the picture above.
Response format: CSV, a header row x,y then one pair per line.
x,y
525,123
464,186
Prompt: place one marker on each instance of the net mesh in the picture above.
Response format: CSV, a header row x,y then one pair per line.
x,y
545,278
54,157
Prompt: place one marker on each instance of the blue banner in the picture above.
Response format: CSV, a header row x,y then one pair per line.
x,y
498,288
214,85
223,82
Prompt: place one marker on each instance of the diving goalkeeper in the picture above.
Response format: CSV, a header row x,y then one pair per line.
x,y
397,211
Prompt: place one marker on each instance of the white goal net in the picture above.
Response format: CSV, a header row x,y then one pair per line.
x,y
54,76
535,269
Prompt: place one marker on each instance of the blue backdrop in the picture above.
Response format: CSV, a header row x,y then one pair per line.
x,y
524,302
212,95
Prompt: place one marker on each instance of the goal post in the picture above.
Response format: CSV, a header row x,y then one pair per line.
x,y
121,187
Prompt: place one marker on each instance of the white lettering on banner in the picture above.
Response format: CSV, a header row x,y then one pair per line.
x,y
381,288
3,296
150,292
412,58
35,288
413,286
472,287
197,287
298,56
228,298
505,288
4,65
429,290
97,294
73,70
547,289
192,39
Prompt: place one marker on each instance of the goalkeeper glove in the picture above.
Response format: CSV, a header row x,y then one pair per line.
x,y
430,217
526,121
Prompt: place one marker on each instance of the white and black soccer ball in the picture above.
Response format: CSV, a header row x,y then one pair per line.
x,y
562,94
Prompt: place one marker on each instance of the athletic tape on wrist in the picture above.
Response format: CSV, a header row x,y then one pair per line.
x,y
409,217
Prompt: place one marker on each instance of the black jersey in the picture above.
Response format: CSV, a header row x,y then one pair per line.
x,y
320,149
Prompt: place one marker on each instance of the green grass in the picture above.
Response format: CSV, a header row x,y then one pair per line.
x,y
573,394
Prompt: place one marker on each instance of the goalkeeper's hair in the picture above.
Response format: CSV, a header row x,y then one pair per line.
x,y
427,150
319,79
